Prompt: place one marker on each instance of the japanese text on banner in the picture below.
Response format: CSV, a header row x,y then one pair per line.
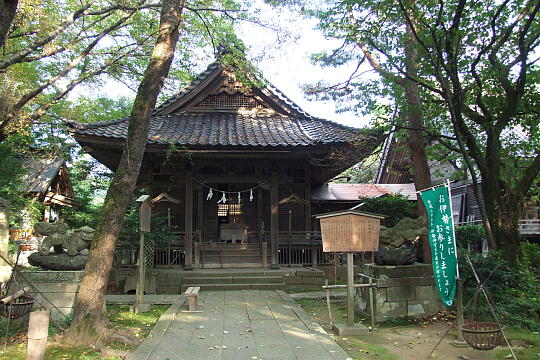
x,y
441,239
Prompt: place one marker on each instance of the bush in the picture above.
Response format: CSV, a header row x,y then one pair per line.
x,y
470,236
531,256
160,232
394,207
515,292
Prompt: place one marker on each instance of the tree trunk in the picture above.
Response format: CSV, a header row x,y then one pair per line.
x,y
504,209
415,140
8,9
88,307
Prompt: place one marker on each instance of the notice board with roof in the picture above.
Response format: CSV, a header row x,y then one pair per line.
x,y
350,231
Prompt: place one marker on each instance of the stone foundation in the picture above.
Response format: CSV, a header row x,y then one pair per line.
x,y
407,290
59,287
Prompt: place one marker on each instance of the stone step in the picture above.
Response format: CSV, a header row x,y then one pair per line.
x,y
231,265
220,287
233,280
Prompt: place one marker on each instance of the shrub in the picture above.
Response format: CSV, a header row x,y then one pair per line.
x,y
395,208
531,256
514,292
160,232
470,236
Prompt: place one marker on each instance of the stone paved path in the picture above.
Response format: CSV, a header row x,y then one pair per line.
x,y
238,325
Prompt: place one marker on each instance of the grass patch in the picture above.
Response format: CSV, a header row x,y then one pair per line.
x,y
528,344
119,318
303,289
358,349
353,345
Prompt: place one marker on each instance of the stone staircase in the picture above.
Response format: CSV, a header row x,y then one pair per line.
x,y
235,280
223,256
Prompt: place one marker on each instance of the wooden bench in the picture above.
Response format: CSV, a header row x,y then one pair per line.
x,y
192,292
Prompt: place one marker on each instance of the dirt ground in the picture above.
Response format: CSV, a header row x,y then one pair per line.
x,y
410,342
416,342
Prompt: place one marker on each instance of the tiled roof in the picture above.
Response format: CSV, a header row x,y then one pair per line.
x,y
187,89
40,173
228,129
215,68
353,192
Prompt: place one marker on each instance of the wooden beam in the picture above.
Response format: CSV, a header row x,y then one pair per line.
x,y
188,226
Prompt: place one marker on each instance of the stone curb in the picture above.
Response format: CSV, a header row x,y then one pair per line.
x,y
323,337
146,348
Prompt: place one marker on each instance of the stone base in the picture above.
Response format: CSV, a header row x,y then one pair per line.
x,y
459,344
407,290
343,330
142,308
55,261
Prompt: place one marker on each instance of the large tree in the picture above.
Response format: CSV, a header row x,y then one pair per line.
x,y
52,47
86,325
476,77
480,60
339,21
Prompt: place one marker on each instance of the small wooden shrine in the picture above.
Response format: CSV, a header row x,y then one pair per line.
x,y
230,152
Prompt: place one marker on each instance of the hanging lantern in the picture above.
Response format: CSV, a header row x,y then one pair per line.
x,y
251,195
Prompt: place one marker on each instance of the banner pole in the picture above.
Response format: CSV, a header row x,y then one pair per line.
x,y
453,226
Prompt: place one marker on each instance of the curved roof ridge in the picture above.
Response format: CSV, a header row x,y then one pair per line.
x,y
187,88
79,125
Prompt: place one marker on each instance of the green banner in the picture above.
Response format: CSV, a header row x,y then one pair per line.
x,y
441,238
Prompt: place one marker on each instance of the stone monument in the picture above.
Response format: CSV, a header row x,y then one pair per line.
x,y
58,236
396,243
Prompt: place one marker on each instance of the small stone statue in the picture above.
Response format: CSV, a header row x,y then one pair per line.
x,y
396,243
58,235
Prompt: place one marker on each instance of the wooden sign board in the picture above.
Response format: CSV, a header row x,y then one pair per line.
x,y
145,213
350,231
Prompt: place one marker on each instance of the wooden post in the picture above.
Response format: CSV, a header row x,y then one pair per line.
x,y
289,240
264,254
314,250
459,305
350,289
188,226
260,214
197,256
307,205
371,309
274,221
327,289
38,331
200,213
139,290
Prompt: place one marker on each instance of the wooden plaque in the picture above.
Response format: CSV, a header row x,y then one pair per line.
x,y
350,231
145,216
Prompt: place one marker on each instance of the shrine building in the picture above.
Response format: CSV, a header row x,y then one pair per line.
x,y
243,161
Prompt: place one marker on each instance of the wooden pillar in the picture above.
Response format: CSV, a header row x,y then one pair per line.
x,y
350,289
274,220
188,226
260,215
308,205
200,212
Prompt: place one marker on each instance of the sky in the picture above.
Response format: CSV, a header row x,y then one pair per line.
x,y
285,63
287,66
